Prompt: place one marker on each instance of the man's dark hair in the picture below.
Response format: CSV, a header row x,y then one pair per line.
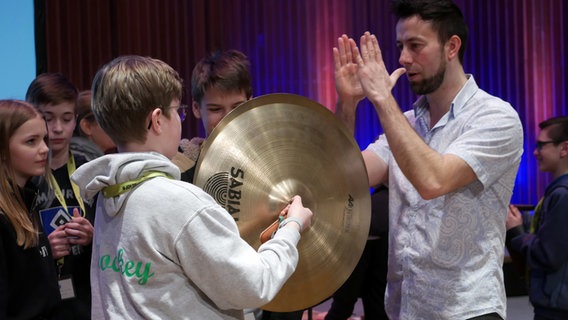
x,y
445,16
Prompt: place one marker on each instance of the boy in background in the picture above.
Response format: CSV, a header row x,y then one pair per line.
x,y
67,218
89,140
543,247
220,82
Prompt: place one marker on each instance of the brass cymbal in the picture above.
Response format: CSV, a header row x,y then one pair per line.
x,y
276,146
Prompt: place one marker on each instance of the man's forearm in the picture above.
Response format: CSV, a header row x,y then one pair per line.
x,y
346,112
422,166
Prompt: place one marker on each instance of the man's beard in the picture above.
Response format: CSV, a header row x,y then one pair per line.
x,y
431,84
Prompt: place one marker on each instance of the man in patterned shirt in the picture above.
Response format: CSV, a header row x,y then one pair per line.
x,y
450,164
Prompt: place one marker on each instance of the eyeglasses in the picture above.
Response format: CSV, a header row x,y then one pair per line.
x,y
540,144
181,110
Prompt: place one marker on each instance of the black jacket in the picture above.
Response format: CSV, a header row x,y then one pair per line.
x,y
28,279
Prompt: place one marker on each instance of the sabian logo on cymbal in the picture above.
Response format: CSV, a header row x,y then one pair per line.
x,y
348,213
225,188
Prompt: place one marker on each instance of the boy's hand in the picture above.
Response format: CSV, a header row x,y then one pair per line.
x,y
514,217
296,210
79,230
60,246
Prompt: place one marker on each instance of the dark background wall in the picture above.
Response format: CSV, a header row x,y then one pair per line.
x,y
517,50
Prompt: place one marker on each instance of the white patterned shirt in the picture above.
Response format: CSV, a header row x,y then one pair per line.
x,y
446,254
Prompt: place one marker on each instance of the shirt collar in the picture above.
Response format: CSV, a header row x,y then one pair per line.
x,y
466,92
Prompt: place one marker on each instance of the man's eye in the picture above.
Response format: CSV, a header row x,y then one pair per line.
x,y
415,46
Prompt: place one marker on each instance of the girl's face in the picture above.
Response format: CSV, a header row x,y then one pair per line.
x,y
28,150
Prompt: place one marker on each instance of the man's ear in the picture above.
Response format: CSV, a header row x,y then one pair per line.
x,y
195,109
453,46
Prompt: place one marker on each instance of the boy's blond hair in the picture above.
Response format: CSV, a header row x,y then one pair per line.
x,y
127,89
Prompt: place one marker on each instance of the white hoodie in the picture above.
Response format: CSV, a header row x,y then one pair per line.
x,y
167,250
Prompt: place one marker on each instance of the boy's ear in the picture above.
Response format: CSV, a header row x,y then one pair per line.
x,y
564,149
154,122
196,110
85,126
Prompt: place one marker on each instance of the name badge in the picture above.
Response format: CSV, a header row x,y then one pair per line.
x,y
66,288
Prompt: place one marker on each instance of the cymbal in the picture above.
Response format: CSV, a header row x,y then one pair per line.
x,y
276,146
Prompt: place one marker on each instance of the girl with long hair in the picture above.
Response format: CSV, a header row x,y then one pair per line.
x,y
28,279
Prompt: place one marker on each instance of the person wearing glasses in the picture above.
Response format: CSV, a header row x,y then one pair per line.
x,y
543,247
163,248
66,217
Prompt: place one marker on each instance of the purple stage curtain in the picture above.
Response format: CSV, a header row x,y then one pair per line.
x,y
517,50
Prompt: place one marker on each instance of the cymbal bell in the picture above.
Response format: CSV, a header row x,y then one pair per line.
x,y
276,146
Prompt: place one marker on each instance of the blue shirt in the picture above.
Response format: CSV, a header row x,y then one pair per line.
x,y
446,254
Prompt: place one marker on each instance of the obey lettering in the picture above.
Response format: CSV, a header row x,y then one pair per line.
x,y
129,268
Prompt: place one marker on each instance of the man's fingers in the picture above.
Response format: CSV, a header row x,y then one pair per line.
x,y
368,44
341,50
346,43
358,59
396,74
336,59
355,52
364,53
376,48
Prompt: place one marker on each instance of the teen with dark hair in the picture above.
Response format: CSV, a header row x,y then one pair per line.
x,y
67,217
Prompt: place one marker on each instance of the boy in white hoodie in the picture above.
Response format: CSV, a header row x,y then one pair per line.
x,y
163,248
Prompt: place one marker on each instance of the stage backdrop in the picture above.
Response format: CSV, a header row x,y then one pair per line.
x,y
17,57
517,50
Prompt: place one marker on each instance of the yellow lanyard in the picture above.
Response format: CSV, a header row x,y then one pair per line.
x,y
533,228
536,216
120,188
59,195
